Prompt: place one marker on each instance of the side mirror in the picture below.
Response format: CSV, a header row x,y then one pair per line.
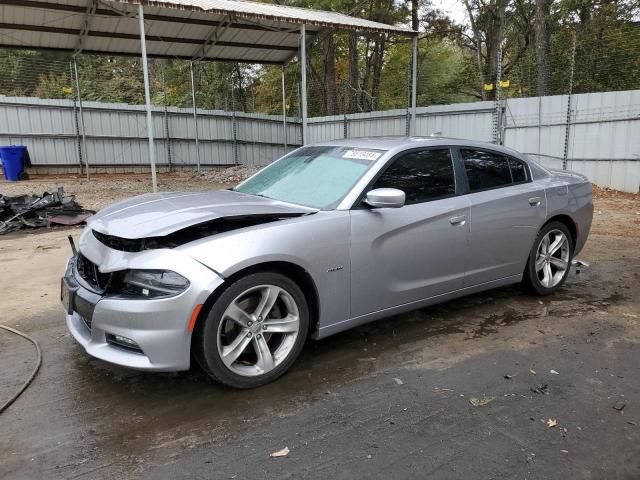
x,y
385,198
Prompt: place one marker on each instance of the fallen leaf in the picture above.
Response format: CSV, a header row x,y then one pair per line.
x,y
551,423
280,453
553,372
479,402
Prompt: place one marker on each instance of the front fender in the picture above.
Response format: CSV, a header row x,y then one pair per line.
x,y
317,243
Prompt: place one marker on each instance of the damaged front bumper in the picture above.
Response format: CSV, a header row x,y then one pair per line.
x,y
144,334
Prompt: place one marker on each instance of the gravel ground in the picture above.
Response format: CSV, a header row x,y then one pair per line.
x,y
467,389
102,190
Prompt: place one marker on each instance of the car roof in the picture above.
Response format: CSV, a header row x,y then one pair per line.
x,y
399,143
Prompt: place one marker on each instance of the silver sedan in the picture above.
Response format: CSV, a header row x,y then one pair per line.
x,y
330,236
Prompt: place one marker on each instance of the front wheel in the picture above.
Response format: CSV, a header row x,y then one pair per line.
x,y
550,259
254,332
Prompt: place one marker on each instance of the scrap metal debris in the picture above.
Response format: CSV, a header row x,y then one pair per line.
x,y
39,211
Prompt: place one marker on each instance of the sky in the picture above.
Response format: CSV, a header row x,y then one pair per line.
x,y
455,9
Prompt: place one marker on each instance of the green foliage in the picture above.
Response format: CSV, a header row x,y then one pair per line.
x,y
607,57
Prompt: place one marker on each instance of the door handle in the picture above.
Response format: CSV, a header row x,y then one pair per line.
x,y
459,220
535,201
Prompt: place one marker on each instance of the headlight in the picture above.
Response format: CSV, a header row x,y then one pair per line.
x,y
150,284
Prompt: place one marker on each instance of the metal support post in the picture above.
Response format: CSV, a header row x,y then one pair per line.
x,y
303,88
234,124
167,132
195,116
414,81
76,120
565,155
84,154
284,111
147,100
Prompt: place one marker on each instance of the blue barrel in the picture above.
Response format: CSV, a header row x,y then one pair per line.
x,y
13,158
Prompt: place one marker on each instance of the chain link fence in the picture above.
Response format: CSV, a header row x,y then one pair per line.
x,y
227,113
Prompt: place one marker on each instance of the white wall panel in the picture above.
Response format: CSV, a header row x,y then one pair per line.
x,y
604,134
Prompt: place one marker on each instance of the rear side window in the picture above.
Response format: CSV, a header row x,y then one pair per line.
x,y
518,170
422,175
485,169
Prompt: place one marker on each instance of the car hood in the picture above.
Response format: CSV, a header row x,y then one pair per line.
x,y
160,214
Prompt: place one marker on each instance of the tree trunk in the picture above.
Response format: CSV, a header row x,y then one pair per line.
x,y
330,75
543,10
378,60
494,37
415,24
354,73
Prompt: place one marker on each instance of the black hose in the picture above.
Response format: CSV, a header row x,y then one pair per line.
x,y
24,386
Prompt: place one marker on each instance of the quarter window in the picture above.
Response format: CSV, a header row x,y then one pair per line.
x,y
518,170
485,170
422,175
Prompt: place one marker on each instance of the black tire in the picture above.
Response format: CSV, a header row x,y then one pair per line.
x,y
531,279
206,342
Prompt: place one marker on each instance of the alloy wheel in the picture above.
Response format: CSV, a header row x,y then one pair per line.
x,y
258,330
552,258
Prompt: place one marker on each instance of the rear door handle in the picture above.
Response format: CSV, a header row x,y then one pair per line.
x,y
535,201
459,220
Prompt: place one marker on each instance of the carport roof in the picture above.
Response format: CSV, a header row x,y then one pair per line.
x,y
219,30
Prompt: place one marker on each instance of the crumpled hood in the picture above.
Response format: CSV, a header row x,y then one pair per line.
x,y
159,214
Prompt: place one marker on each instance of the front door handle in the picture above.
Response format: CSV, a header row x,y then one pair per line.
x,y
459,220
535,201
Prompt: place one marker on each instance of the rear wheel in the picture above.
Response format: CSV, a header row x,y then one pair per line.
x,y
550,259
255,331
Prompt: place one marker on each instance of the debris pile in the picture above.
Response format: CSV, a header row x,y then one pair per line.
x,y
38,211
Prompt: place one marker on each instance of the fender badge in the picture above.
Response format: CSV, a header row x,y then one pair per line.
x,y
335,269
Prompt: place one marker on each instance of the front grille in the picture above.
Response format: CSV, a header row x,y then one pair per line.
x,y
90,273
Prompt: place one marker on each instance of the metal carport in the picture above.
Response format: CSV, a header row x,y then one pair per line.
x,y
196,30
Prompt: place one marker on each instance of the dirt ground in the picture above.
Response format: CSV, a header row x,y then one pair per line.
x,y
461,390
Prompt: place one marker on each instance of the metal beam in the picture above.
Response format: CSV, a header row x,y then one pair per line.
x,y
113,12
137,55
150,38
303,87
414,86
86,23
147,100
212,39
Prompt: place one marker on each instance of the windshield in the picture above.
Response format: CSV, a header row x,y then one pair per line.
x,y
317,177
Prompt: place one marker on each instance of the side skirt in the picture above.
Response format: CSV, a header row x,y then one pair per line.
x,y
407,307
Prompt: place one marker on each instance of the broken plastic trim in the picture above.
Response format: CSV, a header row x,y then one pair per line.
x,y
189,234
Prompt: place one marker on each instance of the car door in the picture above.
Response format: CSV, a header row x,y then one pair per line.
x,y
507,209
401,255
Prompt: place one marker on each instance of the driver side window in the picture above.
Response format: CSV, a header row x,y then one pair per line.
x,y
423,175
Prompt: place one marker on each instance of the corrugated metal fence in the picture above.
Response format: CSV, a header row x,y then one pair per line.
x,y
603,139
116,134
603,132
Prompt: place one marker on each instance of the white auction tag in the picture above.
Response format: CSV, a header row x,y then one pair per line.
x,y
370,155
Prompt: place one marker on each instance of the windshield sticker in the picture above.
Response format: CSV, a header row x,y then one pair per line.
x,y
369,155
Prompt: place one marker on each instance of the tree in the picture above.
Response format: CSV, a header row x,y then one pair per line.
x,y
543,50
